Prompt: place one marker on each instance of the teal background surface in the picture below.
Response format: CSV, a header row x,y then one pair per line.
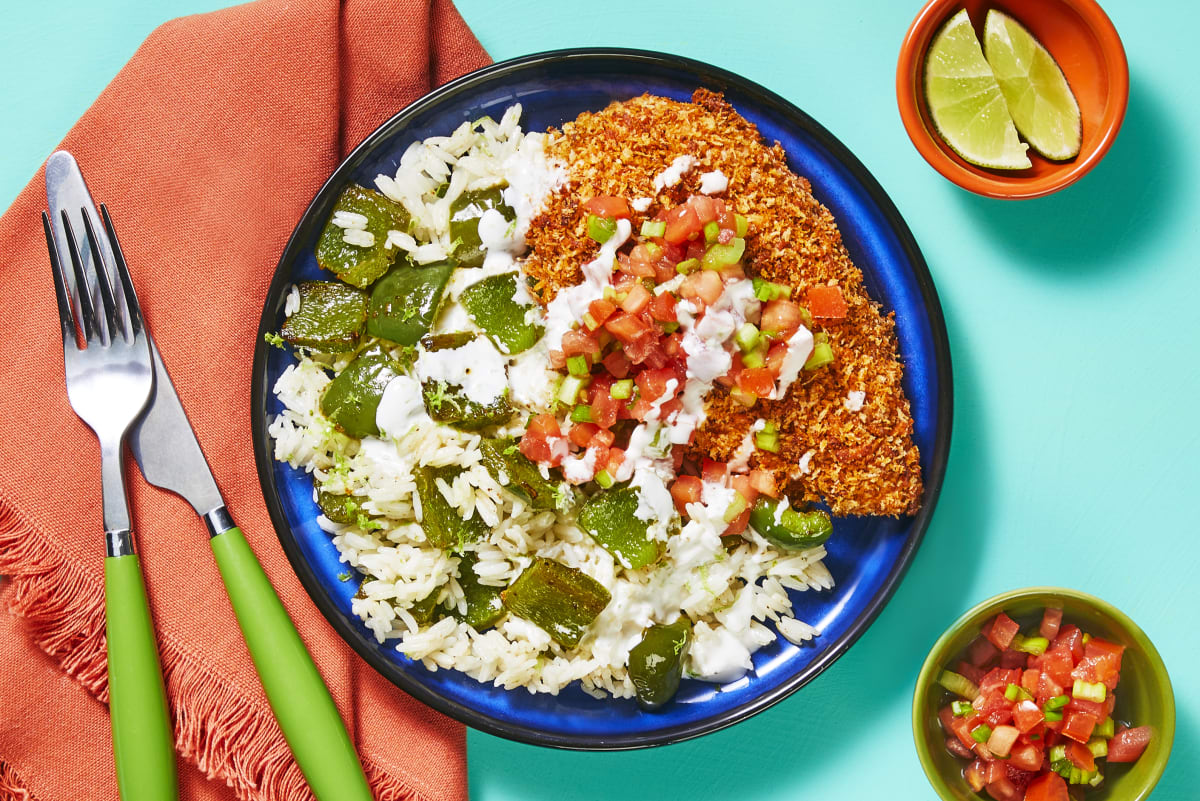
x,y
1076,364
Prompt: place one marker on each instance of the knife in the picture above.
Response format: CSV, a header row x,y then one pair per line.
x,y
165,447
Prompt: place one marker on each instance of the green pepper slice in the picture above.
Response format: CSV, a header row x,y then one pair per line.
x,y
464,222
519,475
490,304
448,403
352,397
338,507
608,516
791,529
656,663
444,527
360,266
484,607
561,600
405,302
330,318
423,611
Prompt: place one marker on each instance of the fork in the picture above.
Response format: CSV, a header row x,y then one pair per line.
x,y
109,377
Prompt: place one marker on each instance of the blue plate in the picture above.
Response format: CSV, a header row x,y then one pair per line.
x,y
867,556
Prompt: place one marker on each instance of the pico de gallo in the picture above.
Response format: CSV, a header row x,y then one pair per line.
x,y
1033,712
663,315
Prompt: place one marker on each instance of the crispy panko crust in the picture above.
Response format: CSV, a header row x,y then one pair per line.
x,y
862,463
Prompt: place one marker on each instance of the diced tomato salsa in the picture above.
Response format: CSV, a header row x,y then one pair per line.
x,y
1032,713
627,359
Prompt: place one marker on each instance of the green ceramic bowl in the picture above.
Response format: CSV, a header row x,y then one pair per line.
x,y
1144,697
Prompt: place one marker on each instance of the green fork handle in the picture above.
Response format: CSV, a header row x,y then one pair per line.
x,y
143,738
298,696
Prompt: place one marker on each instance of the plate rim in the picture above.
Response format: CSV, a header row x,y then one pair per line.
x,y
706,75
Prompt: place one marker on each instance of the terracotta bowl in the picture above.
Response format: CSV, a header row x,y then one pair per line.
x,y
1086,46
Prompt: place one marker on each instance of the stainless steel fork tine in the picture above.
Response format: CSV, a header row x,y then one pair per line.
x,y
111,314
65,316
131,302
82,288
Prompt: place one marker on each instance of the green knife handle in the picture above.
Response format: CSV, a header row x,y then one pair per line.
x,y
143,738
297,694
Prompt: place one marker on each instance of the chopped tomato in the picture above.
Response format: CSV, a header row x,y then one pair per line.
x,y
1080,756
1057,665
577,341
1047,787
607,206
1026,757
1101,661
636,299
617,363
543,441
826,303
682,225
757,380
974,774
1051,620
626,327
1087,707
981,651
1070,638
1078,726
780,318
601,309
1003,790
703,284
646,350
653,384
705,208
1026,715
615,457
714,472
685,490
581,434
1001,631
763,482
1128,745
745,488
739,523
775,358
1012,659
1002,740
662,308
958,749
973,674
604,405
1029,679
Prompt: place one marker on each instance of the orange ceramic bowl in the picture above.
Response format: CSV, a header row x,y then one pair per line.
x,y
1086,46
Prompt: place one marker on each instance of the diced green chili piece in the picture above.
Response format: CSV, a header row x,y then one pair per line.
x,y
581,414
444,527
1011,692
569,389
788,528
711,231
735,508
720,256
981,733
1057,702
609,517
1053,715
352,397
954,682
561,600
766,290
518,474
1090,691
1030,645
962,709
686,266
360,266
656,663
465,212
652,228
600,228
1098,746
338,507
578,365
491,305
1058,753
406,301
484,607
754,358
768,438
622,390
604,479
747,337
743,224
448,403
424,609
1105,728
330,318
822,355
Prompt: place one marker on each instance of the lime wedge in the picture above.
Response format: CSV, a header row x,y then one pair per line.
x,y
965,101
1039,99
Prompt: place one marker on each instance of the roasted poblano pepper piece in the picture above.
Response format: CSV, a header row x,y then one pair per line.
x,y
451,341
464,222
424,610
656,663
330,318
443,526
448,403
338,507
608,516
561,600
484,607
360,266
352,397
490,304
405,302
789,529
520,476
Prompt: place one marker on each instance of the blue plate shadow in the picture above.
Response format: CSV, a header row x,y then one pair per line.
x,y
867,556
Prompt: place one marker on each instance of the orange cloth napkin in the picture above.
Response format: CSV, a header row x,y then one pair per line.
x,y
206,147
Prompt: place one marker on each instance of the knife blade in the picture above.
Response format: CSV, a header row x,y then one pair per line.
x,y
166,449
163,441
